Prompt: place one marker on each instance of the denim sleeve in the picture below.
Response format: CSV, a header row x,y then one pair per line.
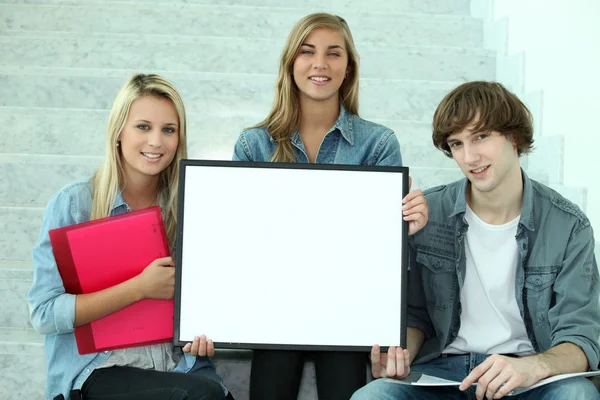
x,y
387,152
241,150
52,311
575,317
418,316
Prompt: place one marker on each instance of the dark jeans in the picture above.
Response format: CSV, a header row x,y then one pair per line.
x,y
126,383
276,375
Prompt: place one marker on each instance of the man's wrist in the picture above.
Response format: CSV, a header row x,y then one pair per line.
x,y
542,366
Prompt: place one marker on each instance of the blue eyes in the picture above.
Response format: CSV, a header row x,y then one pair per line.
x,y
145,127
334,54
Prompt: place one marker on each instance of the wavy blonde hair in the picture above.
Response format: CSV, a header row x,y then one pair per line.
x,y
284,116
109,179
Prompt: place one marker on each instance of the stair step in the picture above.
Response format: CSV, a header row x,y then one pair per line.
x,y
22,380
14,312
218,95
230,21
449,7
231,55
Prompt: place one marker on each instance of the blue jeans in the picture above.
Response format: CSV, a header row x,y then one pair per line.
x,y
456,368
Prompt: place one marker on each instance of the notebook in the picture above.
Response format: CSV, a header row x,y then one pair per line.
x,y
98,254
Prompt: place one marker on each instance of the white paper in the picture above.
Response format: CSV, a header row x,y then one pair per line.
x,y
554,379
417,379
291,256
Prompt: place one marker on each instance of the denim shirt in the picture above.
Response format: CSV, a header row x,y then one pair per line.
x,y
352,140
556,285
52,311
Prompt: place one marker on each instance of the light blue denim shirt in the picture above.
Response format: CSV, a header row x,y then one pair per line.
x,y
52,311
556,283
352,140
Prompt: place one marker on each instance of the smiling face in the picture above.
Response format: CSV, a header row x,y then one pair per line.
x,y
488,159
321,65
150,137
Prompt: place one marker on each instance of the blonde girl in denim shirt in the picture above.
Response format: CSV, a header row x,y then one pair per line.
x,y
145,140
314,119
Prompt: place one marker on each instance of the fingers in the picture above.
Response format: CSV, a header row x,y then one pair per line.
x,y
401,367
165,261
210,348
201,346
507,387
376,362
406,355
391,362
486,379
498,383
195,346
475,374
412,195
409,183
417,212
415,202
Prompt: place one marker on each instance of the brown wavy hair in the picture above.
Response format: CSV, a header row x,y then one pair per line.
x,y
483,107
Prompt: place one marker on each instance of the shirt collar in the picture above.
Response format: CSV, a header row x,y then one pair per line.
x,y
526,219
343,124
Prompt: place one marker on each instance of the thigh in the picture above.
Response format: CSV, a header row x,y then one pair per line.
x,y
276,374
126,383
573,388
453,368
339,374
382,389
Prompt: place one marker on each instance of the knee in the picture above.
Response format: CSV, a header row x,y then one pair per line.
x,y
574,388
376,390
207,389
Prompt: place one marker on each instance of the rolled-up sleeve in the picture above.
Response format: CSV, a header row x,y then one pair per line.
x,y
52,311
575,316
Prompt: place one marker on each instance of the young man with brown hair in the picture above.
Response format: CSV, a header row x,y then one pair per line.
x,y
503,282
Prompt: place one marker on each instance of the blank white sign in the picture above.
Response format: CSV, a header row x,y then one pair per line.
x,y
273,257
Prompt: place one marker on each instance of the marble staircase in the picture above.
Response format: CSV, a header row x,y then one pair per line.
x,y
63,61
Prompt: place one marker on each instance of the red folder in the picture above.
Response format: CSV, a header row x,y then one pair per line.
x,y
98,254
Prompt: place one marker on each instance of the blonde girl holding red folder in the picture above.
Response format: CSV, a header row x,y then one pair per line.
x,y
146,138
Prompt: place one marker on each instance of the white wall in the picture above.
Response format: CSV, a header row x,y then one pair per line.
x,y
560,41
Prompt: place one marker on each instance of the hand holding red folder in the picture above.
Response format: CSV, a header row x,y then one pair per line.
x,y
98,254
158,279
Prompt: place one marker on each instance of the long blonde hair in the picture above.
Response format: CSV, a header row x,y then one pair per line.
x,y
284,116
109,179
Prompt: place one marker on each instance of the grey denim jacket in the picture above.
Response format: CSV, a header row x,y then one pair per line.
x,y
556,283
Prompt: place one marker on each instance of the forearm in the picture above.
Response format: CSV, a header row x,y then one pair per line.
x,y
564,358
414,340
92,306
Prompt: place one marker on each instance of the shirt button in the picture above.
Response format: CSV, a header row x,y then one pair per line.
x,y
87,371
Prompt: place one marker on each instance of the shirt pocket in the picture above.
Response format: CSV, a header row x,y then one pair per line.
x,y
437,274
539,293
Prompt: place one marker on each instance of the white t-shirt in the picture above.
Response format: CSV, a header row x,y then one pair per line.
x,y
490,322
